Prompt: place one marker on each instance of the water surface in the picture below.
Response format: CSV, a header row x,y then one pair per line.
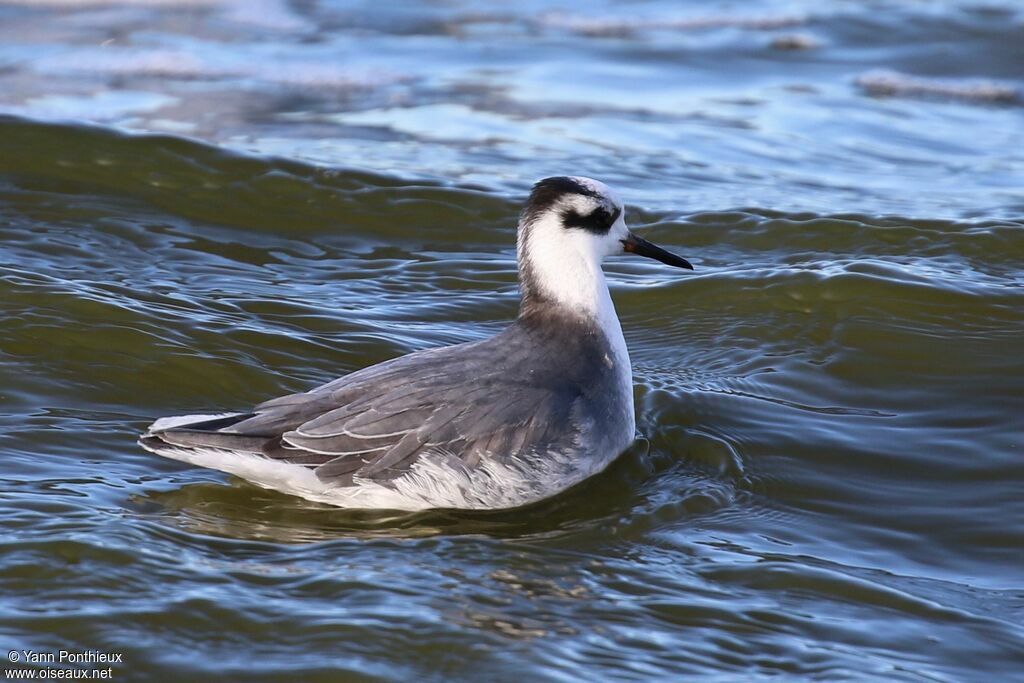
x,y
203,205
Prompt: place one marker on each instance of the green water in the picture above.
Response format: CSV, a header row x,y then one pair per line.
x,y
831,481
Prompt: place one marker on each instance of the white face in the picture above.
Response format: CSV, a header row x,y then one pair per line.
x,y
569,225
577,223
606,200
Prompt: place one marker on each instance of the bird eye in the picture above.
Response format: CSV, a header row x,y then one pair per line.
x,y
597,221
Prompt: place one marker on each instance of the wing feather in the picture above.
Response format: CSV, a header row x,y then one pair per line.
x,y
466,403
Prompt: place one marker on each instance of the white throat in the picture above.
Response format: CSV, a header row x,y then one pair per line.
x,y
570,277
572,280
562,268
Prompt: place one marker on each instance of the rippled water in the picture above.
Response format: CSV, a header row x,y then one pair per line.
x,y
831,482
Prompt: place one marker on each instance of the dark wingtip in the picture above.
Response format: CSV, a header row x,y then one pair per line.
x,y
151,442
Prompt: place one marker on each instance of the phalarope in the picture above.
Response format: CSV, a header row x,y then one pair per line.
x,y
498,423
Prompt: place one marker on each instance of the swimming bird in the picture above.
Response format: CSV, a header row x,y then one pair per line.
x,y
491,424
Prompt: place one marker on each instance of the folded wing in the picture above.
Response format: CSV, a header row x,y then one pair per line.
x,y
376,423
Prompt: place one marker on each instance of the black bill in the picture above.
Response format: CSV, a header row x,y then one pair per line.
x,y
641,247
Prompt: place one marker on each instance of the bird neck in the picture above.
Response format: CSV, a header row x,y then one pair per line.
x,y
569,280
570,287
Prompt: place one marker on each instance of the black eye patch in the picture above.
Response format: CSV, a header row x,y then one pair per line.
x,y
598,221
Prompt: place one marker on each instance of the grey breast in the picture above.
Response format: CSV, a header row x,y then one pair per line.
x,y
528,390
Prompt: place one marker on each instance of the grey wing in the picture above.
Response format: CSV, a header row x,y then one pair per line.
x,y
382,437
376,423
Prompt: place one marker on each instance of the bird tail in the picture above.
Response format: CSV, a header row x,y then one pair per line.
x,y
168,436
